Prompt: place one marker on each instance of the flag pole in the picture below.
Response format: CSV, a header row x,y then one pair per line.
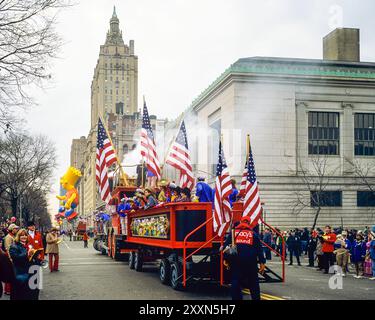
x,y
123,175
247,146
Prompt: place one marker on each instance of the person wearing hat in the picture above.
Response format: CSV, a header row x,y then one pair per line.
x,y
173,192
162,196
8,241
203,191
342,247
358,254
53,249
233,196
184,195
35,239
244,265
141,198
122,210
294,247
151,201
372,251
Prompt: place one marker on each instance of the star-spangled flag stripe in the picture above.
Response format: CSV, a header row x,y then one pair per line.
x,y
105,157
179,158
252,205
148,147
222,212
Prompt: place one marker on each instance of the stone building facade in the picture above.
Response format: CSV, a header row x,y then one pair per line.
x,y
304,117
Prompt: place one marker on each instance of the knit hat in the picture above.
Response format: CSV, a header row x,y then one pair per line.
x,y
13,226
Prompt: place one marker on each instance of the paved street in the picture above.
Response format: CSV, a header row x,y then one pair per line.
x,y
86,274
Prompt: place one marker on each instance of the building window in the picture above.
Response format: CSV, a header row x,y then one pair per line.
x,y
324,133
326,198
364,134
365,199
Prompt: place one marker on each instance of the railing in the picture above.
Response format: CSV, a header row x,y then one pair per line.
x,y
186,257
282,255
196,250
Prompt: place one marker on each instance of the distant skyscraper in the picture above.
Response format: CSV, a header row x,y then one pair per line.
x,y
114,88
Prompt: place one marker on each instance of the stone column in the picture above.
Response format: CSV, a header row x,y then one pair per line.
x,y
301,135
347,137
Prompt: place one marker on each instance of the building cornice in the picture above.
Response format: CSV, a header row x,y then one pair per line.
x,y
292,70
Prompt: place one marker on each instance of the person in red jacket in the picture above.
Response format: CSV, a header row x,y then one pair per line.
x,y
328,238
35,240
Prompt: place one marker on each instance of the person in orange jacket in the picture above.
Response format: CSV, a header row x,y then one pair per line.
x,y
329,239
35,240
85,240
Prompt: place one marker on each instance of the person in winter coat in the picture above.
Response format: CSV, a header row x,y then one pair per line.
x,y
53,249
319,251
342,247
311,248
358,254
372,251
294,247
6,270
328,238
20,254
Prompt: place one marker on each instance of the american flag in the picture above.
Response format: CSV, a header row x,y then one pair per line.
x,y
252,205
179,158
105,157
148,147
244,174
222,212
243,181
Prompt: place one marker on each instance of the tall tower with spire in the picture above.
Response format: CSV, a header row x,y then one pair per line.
x,y
114,87
114,93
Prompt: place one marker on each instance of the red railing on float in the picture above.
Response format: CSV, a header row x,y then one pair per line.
x,y
221,239
282,255
196,250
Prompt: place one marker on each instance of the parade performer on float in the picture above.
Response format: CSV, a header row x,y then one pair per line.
x,y
203,191
71,198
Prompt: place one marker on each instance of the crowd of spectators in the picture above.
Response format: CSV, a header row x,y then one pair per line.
x,y
349,249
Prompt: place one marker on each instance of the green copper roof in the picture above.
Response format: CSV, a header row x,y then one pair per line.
x,y
296,67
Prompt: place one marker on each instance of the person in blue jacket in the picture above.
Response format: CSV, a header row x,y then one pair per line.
x,y
358,254
203,191
234,194
122,210
372,251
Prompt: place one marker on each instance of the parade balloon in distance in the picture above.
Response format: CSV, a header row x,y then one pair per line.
x,y
71,198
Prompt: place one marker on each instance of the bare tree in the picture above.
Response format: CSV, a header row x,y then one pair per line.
x,y
35,206
26,163
364,172
28,41
315,180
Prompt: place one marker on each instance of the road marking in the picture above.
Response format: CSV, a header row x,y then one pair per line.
x,y
89,263
67,245
264,296
316,280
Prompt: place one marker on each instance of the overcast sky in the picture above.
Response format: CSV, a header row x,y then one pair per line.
x,y
182,46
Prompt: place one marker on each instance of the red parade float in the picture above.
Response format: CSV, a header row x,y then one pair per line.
x,y
179,236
